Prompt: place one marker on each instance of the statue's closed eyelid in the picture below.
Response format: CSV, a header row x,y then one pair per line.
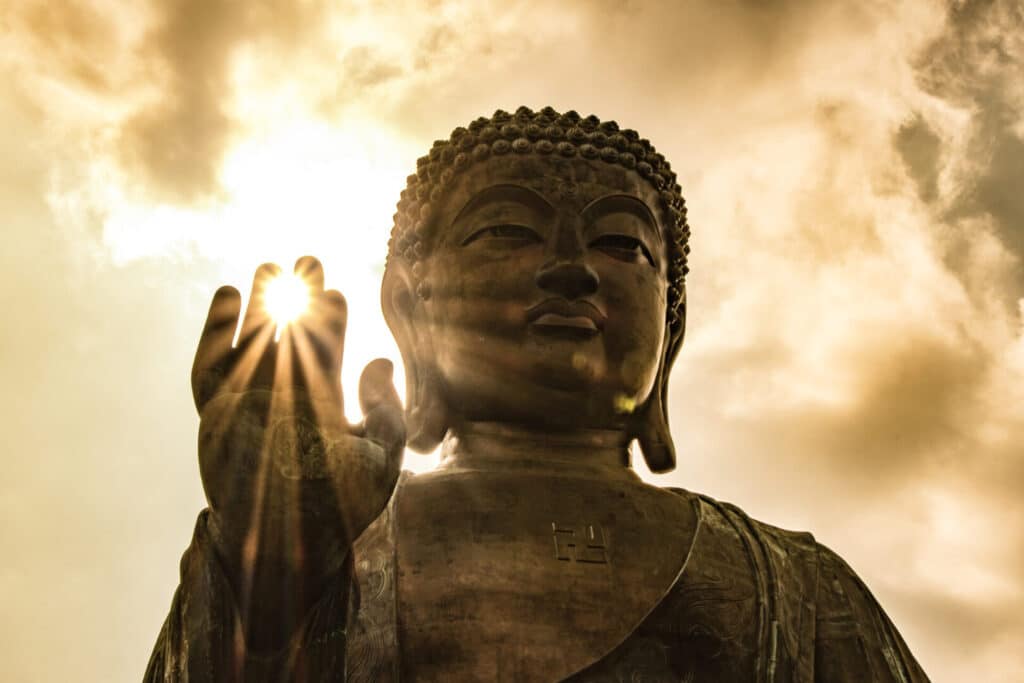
x,y
625,224
502,212
625,205
504,231
623,243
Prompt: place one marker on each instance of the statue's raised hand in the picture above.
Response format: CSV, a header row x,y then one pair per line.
x,y
290,483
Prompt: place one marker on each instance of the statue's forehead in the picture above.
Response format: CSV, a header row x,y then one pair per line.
x,y
575,182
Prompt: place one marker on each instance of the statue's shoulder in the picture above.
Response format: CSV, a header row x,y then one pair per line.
x,y
800,546
825,617
854,635
742,607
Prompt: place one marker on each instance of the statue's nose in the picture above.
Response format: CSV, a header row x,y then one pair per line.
x,y
569,279
567,273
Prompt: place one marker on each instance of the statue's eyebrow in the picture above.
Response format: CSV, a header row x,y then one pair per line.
x,y
613,203
518,193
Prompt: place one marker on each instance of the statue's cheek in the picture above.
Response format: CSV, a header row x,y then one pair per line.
x,y
483,277
635,359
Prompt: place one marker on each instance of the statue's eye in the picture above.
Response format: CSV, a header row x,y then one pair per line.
x,y
507,234
624,248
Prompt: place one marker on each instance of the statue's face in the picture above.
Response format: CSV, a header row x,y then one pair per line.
x,y
547,302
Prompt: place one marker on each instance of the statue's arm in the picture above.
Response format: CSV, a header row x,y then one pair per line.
x,y
196,641
201,640
291,485
854,638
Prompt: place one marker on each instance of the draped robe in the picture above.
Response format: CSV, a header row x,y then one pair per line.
x,y
749,602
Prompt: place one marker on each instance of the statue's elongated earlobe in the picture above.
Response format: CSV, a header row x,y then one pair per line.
x,y
651,429
426,415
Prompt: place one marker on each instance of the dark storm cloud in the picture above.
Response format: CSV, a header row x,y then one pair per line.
x,y
978,64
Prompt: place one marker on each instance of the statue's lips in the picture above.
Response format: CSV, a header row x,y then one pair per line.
x,y
577,321
560,314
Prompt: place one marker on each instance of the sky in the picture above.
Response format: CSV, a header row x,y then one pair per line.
x,y
854,360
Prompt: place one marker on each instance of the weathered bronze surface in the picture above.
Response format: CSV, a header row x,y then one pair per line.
x,y
535,286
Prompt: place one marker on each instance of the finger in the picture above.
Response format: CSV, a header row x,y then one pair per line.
x,y
316,348
323,333
313,362
256,315
384,421
261,359
312,273
210,367
328,329
376,387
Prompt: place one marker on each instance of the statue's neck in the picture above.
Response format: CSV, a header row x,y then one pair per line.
x,y
501,446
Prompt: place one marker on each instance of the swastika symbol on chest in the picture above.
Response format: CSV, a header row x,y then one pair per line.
x,y
586,543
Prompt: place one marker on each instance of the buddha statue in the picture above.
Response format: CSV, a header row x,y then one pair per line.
x,y
535,284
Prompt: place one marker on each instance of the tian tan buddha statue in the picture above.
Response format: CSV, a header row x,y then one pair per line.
x,y
535,286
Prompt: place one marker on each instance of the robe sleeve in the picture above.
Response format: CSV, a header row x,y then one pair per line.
x,y
201,641
854,638
200,638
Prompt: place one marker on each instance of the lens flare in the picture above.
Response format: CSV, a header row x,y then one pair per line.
x,y
285,298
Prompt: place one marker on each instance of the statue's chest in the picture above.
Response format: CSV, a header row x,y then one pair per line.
x,y
526,576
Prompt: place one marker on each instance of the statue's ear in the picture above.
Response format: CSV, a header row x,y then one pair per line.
x,y
650,424
426,414
398,303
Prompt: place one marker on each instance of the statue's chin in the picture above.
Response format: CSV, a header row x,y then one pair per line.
x,y
557,377
559,401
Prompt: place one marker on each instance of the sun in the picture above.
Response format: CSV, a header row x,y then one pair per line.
x,y
286,298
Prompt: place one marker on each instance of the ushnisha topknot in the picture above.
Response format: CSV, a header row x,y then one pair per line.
x,y
544,132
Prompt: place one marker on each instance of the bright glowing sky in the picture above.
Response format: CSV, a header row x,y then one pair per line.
x,y
854,364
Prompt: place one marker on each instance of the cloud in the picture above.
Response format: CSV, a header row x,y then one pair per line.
x,y
975,65
72,35
177,142
921,149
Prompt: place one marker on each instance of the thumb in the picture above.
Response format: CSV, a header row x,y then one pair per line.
x,y
383,417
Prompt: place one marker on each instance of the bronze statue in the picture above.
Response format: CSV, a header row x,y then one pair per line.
x,y
535,286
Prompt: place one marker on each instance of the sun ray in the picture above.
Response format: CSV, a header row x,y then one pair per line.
x,y
304,347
